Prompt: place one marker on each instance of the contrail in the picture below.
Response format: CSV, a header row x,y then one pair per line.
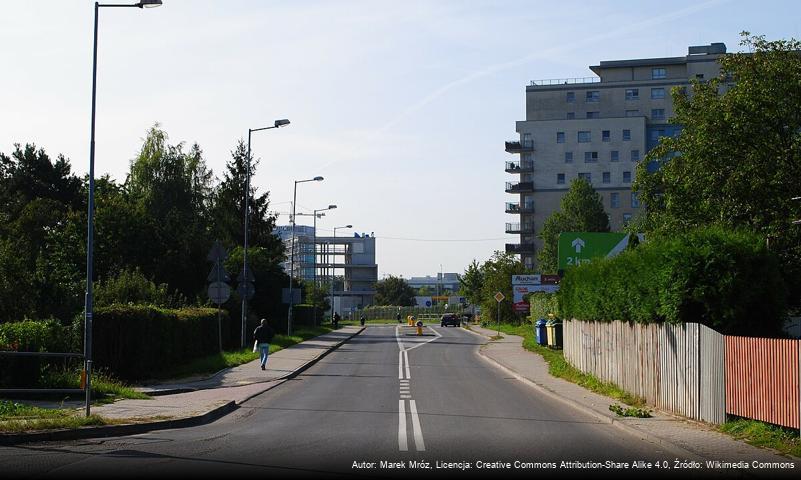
x,y
634,27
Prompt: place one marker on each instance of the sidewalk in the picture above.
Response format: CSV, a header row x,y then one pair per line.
x,y
687,439
197,402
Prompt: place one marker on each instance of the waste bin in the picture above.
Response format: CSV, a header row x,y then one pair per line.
x,y
539,329
549,333
554,328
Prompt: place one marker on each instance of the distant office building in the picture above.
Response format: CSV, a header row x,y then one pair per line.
x,y
596,128
442,282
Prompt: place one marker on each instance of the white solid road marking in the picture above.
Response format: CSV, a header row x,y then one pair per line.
x,y
400,365
403,444
406,357
418,432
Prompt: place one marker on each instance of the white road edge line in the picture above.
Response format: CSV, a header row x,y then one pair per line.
x,y
403,444
418,431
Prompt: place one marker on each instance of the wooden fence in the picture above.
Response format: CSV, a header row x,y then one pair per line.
x,y
692,370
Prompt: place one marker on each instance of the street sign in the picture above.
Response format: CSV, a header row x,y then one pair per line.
x,y
218,274
499,297
577,248
217,253
246,290
251,277
219,292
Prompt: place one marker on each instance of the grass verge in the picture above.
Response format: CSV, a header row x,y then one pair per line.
x,y
761,434
18,417
105,388
232,358
559,367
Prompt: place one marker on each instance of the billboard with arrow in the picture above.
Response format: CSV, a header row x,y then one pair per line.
x,y
577,248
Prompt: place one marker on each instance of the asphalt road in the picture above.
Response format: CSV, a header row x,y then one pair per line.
x,y
383,396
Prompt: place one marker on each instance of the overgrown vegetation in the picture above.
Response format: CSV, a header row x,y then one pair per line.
x,y
761,434
636,412
19,417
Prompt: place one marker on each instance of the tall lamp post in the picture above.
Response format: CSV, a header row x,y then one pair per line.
x,y
89,309
314,250
292,250
333,260
276,124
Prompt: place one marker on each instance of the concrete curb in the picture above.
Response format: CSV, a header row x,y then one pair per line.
x,y
675,449
137,428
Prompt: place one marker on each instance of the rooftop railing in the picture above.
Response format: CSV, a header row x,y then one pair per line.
x,y
564,81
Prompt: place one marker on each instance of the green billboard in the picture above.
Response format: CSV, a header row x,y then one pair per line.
x,y
576,248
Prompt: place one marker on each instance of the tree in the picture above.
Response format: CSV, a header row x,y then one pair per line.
x,y
581,210
737,159
394,291
497,277
425,291
471,282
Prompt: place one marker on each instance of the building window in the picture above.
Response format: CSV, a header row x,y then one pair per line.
x,y
614,200
635,201
568,157
571,115
699,76
590,157
593,96
560,178
570,97
635,155
626,218
584,136
632,94
560,137
586,176
607,177
657,114
626,177
626,135
658,73
657,93
614,156
632,113
593,114
605,136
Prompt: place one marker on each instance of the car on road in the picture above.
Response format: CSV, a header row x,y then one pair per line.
x,y
450,319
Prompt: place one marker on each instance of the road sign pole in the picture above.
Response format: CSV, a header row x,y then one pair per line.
x,y
499,319
219,315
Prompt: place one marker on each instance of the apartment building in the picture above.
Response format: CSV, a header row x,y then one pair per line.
x,y
597,128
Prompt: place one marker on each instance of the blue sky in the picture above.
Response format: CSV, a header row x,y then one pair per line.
x,y
402,106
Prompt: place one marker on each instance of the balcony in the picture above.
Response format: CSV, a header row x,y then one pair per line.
x,y
519,187
519,167
517,208
518,147
520,248
519,228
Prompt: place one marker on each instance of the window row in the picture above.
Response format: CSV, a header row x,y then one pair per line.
x,y
657,93
594,96
614,156
585,136
656,114
606,177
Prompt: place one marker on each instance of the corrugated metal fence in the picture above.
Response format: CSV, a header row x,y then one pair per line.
x,y
684,368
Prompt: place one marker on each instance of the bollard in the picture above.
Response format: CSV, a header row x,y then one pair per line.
x,y
420,328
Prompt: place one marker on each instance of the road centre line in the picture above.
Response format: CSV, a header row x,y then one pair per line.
x,y
400,365
418,431
403,444
408,370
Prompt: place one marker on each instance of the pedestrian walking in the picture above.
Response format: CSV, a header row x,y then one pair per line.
x,y
336,321
398,317
262,336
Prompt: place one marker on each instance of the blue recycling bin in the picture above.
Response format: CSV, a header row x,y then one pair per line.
x,y
539,328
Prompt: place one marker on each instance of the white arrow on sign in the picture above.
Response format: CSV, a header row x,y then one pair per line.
x,y
578,244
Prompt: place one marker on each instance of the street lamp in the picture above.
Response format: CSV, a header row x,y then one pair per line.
x,y
292,250
333,260
89,309
276,124
314,249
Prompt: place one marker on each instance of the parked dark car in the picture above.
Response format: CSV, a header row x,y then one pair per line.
x,y
450,319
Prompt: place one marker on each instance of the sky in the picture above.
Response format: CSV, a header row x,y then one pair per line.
x,y
403,107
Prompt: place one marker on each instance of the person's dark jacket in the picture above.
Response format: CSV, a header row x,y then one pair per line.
x,y
264,333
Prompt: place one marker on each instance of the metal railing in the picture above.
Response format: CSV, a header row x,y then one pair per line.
x,y
564,81
520,248
515,146
515,187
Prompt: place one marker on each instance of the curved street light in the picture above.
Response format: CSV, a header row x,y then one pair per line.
x,y
90,220
276,124
332,272
292,250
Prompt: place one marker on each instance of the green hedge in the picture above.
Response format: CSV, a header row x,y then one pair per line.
x,y
134,342
726,280
29,336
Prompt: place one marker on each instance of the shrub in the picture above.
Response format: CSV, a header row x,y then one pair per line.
x,y
132,287
29,336
724,279
543,303
136,341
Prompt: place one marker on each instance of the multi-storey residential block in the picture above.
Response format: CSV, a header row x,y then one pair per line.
x,y
596,128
